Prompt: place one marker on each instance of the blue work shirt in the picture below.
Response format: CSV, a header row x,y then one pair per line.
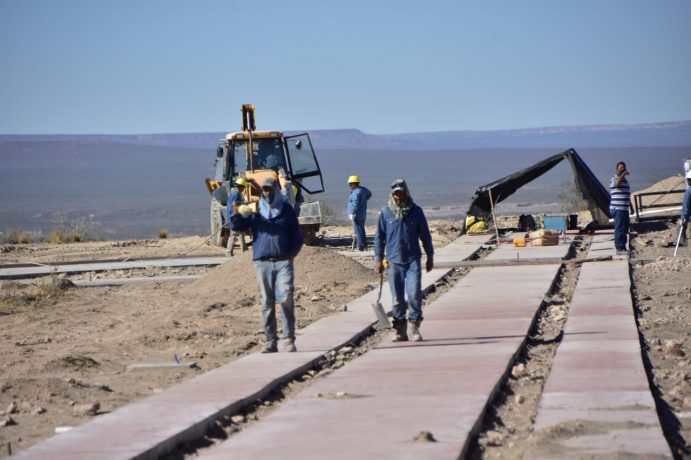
x,y
277,237
686,205
235,197
397,239
357,202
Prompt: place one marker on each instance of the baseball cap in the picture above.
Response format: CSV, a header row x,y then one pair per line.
x,y
398,185
269,182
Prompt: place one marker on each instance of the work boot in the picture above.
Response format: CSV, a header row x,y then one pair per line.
x,y
290,346
415,335
400,328
270,347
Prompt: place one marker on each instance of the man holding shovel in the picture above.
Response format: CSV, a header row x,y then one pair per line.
x,y
402,224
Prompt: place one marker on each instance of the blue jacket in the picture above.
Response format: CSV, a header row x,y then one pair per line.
x,y
278,236
397,239
235,197
686,205
357,202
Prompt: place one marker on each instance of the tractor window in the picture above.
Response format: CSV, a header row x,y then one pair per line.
x,y
303,163
219,166
240,157
268,154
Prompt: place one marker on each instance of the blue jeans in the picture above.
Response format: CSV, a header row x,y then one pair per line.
x,y
406,279
276,283
621,228
359,230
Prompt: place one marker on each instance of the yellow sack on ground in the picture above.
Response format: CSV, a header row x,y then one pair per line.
x,y
478,227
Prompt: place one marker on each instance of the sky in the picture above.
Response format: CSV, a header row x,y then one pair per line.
x,y
383,67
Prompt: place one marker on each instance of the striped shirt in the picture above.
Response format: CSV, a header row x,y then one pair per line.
x,y
620,197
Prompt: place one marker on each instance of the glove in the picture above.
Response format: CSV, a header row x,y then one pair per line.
x,y
429,265
245,210
381,266
351,217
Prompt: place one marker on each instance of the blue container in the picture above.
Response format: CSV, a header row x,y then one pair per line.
x,y
558,222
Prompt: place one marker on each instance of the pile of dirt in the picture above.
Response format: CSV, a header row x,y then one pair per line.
x,y
669,184
317,270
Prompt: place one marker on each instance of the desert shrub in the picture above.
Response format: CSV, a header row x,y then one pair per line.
x,y
77,229
50,290
570,198
56,237
329,216
163,233
15,236
47,292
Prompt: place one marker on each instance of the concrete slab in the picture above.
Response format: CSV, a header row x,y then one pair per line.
x,y
376,405
56,269
597,374
509,252
136,280
152,426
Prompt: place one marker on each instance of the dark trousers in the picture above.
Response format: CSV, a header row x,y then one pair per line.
x,y
621,228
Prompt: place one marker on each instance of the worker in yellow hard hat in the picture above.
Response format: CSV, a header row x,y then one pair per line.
x,y
237,196
357,210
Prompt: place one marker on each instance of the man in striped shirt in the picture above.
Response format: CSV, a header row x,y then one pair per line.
x,y
620,201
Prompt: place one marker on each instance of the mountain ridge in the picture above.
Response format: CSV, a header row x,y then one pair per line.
x,y
663,134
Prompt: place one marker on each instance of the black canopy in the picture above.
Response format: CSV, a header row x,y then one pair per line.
x,y
587,184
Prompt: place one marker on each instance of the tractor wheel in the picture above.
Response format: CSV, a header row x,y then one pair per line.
x,y
219,236
309,234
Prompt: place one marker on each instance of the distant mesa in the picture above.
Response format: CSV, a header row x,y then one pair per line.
x,y
668,134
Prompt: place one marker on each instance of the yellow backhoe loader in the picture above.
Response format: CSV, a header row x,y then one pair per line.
x,y
255,155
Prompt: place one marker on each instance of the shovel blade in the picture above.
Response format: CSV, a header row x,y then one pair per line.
x,y
381,316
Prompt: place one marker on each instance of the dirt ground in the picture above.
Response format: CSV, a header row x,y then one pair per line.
x,y
65,350
661,295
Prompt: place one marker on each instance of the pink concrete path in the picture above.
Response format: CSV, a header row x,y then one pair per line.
x,y
153,426
376,405
598,374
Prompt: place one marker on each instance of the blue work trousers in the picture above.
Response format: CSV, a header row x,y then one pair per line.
x,y
359,230
276,283
406,279
621,228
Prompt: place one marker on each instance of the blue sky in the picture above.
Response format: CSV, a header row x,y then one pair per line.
x,y
166,66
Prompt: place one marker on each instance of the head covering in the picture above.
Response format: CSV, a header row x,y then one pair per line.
x,y
271,206
402,208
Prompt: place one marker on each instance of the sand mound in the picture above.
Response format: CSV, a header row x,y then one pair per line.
x,y
665,185
318,271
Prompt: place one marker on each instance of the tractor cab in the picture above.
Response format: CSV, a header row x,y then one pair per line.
x,y
256,155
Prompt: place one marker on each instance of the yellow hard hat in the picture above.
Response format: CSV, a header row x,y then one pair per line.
x,y
353,180
241,181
